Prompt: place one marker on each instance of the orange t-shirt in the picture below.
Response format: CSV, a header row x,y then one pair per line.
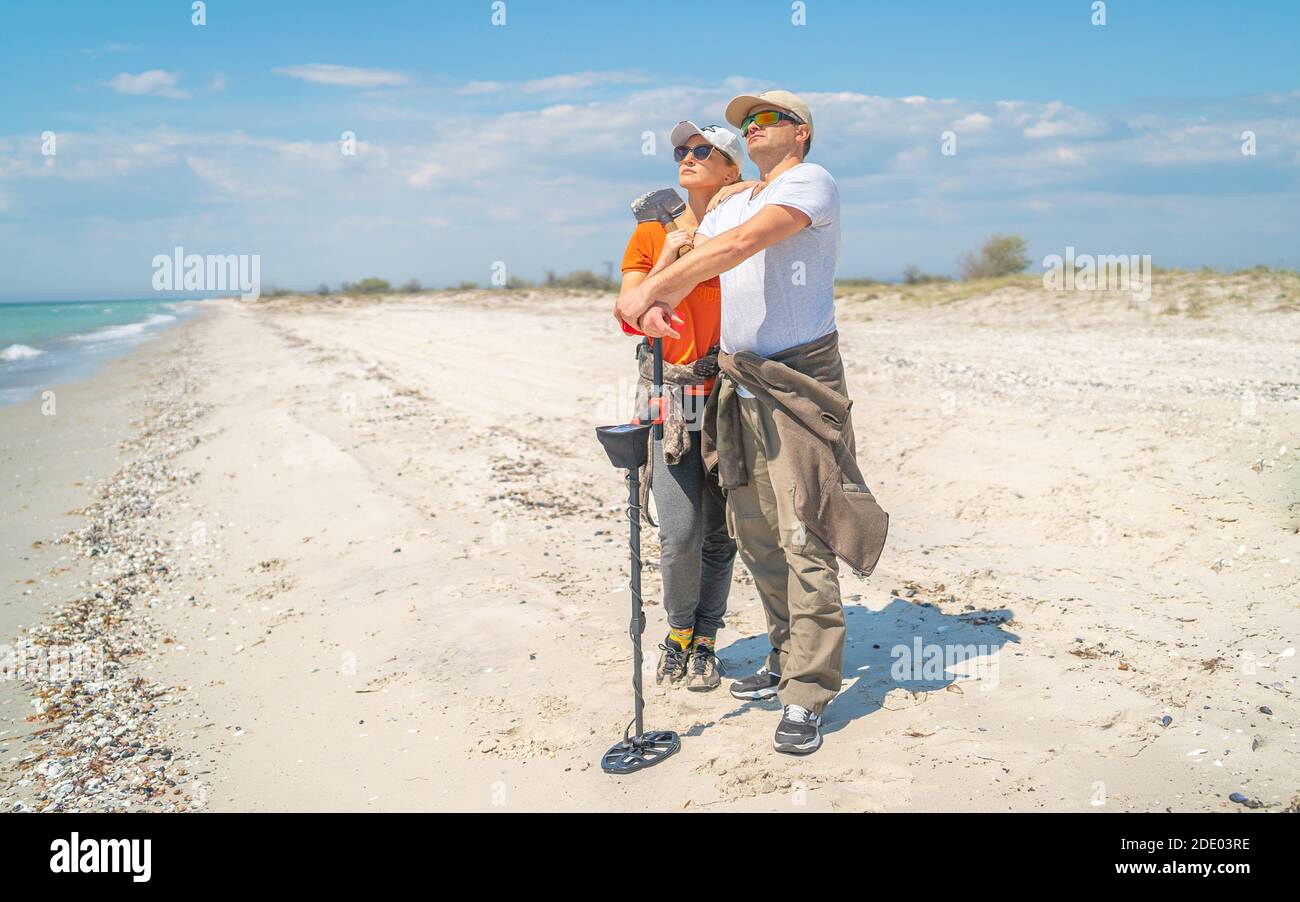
x,y
700,310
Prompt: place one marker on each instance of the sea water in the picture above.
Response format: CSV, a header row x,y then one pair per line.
x,y
43,344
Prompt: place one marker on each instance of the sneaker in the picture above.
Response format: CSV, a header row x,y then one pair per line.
x,y
704,672
672,663
761,685
798,733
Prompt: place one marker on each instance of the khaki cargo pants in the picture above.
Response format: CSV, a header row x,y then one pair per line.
x,y
797,575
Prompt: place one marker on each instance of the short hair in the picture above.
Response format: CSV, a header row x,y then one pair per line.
x,y
807,145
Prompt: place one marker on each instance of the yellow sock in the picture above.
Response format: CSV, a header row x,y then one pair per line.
x,y
681,637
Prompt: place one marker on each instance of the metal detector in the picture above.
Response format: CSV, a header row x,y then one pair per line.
x,y
627,448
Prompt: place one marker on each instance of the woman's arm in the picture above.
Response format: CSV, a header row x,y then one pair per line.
x,y
674,241
728,191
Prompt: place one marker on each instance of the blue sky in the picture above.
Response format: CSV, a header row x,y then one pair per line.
x,y
522,143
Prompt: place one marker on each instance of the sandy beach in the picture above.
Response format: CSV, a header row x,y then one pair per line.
x,y
366,554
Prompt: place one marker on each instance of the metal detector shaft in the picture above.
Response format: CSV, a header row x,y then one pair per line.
x,y
634,516
628,448
658,388
637,626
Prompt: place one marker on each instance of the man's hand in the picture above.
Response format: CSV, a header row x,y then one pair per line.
x,y
657,322
636,301
631,303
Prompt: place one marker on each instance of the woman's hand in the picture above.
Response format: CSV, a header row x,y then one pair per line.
x,y
674,241
728,191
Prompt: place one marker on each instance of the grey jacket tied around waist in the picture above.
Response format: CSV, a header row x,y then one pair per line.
x,y
677,439
804,391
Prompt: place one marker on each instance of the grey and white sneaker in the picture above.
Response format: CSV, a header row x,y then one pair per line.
x,y
799,732
759,686
671,668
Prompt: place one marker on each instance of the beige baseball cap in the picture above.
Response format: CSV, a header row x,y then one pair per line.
x,y
742,106
716,135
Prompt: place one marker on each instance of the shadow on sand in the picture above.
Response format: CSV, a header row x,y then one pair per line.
x,y
914,647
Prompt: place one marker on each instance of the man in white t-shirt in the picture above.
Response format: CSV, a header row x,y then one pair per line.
x,y
784,295
775,247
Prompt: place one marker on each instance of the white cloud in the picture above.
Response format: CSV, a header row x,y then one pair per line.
x,y
557,84
224,178
973,122
482,87
886,146
1056,120
526,164
113,47
578,81
345,76
155,82
425,175
914,159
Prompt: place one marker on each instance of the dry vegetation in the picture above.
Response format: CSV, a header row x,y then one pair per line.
x,y
1173,292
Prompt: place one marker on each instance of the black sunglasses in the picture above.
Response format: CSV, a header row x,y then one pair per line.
x,y
699,151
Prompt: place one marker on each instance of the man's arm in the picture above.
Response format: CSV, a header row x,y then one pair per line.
x,y
631,279
770,225
674,241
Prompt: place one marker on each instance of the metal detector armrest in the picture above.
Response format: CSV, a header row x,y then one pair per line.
x,y
625,444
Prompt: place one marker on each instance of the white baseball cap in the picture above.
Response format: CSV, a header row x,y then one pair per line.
x,y
742,106
719,137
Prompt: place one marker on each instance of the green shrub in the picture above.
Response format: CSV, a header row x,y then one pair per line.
x,y
372,285
1001,255
862,282
912,275
580,278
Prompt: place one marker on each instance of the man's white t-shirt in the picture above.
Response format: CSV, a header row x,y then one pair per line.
x,y
782,296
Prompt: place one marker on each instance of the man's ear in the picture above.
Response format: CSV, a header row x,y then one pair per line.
x,y
803,143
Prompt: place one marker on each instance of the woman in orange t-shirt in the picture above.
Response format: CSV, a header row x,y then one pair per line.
x,y
697,554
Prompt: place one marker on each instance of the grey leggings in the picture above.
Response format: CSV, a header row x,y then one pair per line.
x,y
697,553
